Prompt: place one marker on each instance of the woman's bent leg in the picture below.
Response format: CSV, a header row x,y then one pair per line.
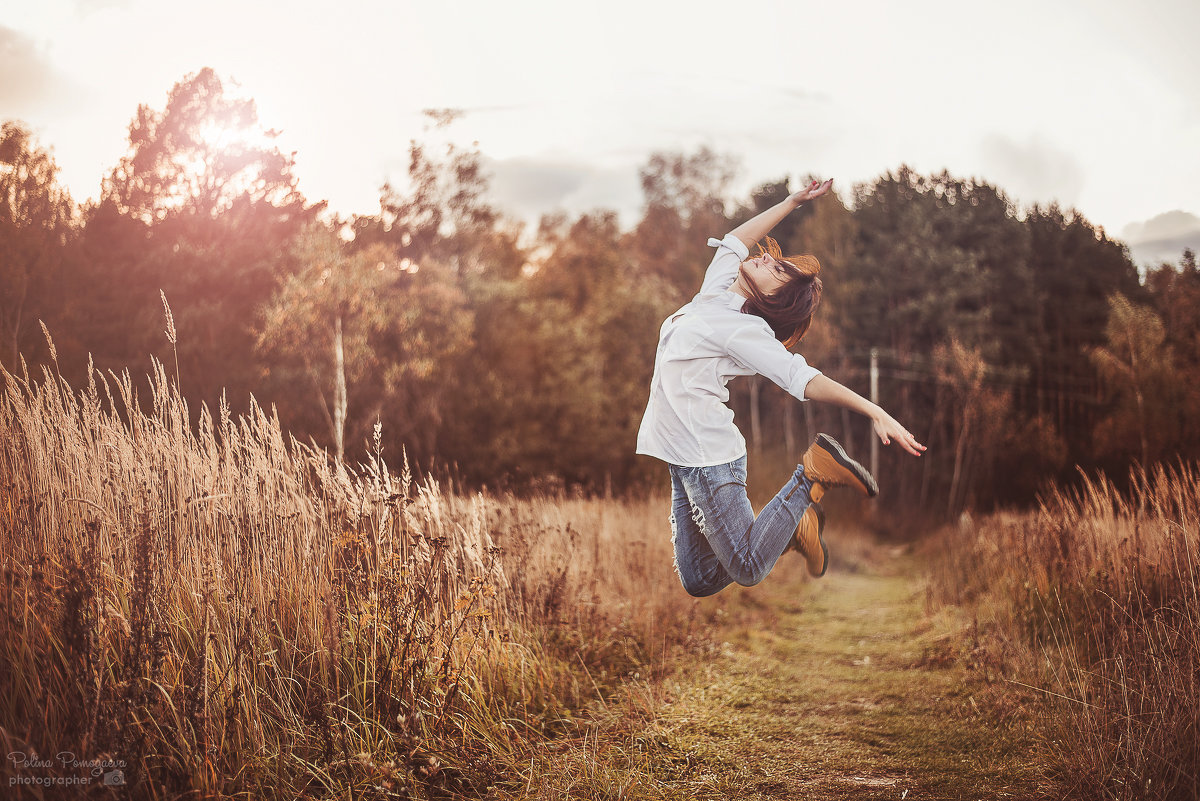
x,y
746,546
698,568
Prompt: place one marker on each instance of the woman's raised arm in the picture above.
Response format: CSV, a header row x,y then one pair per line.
x,y
761,224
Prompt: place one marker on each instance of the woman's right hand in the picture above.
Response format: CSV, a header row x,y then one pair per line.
x,y
810,192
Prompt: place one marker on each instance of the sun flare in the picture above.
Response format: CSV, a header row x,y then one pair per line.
x,y
226,160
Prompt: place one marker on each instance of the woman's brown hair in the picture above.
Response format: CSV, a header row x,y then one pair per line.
x,y
789,310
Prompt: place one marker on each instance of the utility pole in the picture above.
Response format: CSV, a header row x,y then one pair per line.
x,y
875,400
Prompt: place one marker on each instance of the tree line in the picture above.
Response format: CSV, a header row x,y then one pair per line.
x,y
1016,343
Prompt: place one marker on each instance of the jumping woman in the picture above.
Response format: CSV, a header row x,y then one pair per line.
x,y
748,313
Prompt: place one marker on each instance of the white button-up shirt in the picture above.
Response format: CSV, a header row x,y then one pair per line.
x,y
700,348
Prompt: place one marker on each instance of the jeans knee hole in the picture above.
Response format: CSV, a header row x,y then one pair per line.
x,y
698,519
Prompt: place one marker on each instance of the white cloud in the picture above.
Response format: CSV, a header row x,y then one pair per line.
x,y
1033,171
526,188
29,81
1163,238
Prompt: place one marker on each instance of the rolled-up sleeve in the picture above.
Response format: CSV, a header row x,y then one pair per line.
x,y
723,270
753,347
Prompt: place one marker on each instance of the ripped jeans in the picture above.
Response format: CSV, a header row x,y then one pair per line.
x,y
718,540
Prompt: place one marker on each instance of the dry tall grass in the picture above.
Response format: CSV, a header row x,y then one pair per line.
x,y
225,611
1095,599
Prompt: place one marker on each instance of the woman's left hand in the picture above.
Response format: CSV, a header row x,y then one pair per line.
x,y
888,430
810,192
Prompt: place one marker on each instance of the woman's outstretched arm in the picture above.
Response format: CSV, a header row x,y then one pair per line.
x,y
761,224
823,388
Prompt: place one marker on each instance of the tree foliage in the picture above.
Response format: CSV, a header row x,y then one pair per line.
x,y
364,337
1015,343
685,204
1137,369
205,155
202,207
36,229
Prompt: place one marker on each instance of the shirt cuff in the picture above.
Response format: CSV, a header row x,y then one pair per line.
x,y
733,243
803,382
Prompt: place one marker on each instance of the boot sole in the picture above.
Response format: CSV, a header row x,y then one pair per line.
x,y
834,448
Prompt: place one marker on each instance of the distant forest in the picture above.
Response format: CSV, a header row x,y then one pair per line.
x,y
1016,343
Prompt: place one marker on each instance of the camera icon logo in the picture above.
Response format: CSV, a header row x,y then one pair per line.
x,y
114,778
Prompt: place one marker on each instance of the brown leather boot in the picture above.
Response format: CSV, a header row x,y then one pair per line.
x,y
827,465
809,542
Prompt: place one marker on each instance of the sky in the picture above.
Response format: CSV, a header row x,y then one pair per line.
x,y
1093,104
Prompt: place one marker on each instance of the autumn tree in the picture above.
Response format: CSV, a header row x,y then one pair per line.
x,y
1074,269
36,228
1137,370
1174,292
359,336
612,311
203,206
685,204
442,217
937,259
561,361
444,211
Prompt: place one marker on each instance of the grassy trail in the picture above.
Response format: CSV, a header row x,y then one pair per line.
x,y
847,691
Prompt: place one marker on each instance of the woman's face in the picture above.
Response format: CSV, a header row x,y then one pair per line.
x,y
765,272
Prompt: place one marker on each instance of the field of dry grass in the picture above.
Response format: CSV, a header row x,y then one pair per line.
x,y
224,611
1093,602
218,610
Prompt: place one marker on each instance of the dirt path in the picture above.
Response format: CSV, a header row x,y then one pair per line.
x,y
846,693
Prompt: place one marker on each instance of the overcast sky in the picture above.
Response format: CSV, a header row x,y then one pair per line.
x,y
1093,104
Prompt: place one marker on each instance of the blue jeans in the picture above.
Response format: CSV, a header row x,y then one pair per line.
x,y
718,540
